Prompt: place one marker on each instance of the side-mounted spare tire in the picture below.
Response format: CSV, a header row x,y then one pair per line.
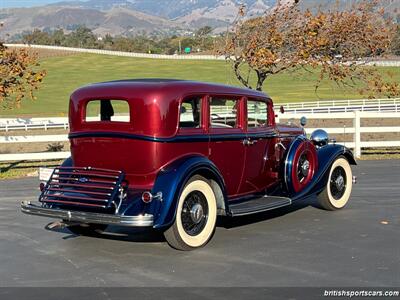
x,y
301,164
196,216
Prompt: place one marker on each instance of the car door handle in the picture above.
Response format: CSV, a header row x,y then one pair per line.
x,y
248,142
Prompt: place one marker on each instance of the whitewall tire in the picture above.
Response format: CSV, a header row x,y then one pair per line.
x,y
196,215
338,188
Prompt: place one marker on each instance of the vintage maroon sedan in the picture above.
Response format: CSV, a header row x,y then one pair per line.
x,y
173,155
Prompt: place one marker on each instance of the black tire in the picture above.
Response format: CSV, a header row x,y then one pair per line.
x,y
87,229
196,216
337,191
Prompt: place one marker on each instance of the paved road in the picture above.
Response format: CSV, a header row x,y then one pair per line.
x,y
301,246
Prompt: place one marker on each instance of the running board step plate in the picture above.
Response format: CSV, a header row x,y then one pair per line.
x,y
257,205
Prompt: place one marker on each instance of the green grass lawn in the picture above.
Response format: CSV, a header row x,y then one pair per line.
x,y
67,73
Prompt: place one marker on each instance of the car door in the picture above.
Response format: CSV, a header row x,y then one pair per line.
x,y
226,149
259,158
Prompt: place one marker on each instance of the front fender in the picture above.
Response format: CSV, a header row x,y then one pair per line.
x,y
326,156
170,182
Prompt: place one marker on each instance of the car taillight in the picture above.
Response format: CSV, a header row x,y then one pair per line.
x,y
147,197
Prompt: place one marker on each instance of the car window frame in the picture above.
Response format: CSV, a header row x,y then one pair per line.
x,y
118,123
188,130
239,115
270,119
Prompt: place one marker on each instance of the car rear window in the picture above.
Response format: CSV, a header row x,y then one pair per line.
x,y
107,111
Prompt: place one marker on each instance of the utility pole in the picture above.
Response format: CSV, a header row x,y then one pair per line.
x,y
180,47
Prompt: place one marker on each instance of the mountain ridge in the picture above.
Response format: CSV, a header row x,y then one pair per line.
x,y
133,17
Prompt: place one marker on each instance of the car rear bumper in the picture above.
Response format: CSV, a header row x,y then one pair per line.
x,y
87,217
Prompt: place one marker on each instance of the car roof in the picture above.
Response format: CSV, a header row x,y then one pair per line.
x,y
180,87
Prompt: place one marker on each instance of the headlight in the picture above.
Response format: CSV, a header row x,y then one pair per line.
x,y
320,138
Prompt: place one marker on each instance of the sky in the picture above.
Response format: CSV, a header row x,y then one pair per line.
x,y
25,3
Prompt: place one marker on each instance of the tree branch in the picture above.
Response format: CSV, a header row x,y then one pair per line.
x,y
236,68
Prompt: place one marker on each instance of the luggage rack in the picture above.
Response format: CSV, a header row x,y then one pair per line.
x,y
84,187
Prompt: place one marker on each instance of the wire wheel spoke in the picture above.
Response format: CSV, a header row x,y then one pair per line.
x,y
194,213
338,183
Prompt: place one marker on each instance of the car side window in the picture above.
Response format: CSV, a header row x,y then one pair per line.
x,y
257,114
190,114
223,112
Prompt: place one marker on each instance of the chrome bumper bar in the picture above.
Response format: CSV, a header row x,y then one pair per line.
x,y
87,217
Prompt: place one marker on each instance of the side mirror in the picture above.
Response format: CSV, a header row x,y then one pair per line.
x,y
303,121
281,109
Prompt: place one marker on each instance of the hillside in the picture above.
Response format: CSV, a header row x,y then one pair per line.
x,y
166,17
116,21
122,17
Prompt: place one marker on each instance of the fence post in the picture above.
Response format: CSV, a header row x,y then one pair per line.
x,y
357,133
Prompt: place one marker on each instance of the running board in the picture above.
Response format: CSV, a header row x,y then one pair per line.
x,y
257,205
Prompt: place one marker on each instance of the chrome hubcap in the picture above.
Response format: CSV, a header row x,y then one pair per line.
x,y
197,213
305,168
340,183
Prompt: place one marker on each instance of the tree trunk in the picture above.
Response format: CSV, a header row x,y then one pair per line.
x,y
261,76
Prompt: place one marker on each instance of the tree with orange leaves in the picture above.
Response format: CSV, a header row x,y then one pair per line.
x,y
19,76
338,44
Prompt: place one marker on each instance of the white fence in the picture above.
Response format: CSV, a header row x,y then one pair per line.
x,y
355,143
379,63
121,53
8,124
337,106
34,156
312,107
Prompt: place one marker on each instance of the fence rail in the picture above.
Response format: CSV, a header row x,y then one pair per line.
x,y
34,156
9,124
120,53
336,106
33,139
379,63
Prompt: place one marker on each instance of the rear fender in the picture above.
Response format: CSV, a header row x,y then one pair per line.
x,y
68,162
326,156
171,180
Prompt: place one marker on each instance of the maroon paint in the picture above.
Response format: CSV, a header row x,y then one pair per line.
x,y
154,113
